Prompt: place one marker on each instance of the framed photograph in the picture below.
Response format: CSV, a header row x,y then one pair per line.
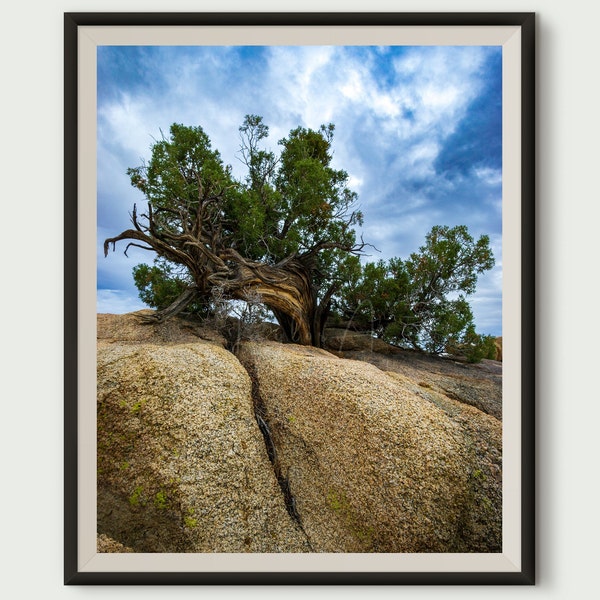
x,y
299,298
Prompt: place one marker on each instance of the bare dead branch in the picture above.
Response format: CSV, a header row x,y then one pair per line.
x,y
128,234
136,246
183,300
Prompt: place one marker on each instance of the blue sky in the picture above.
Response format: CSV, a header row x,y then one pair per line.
x,y
418,129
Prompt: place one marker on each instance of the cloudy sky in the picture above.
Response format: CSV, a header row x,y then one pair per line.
x,y
418,129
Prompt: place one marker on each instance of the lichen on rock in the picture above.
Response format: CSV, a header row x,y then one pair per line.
x,y
287,448
372,466
182,466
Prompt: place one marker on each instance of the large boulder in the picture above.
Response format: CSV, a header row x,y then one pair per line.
x,y
482,434
107,544
498,344
345,340
369,463
138,327
479,385
182,464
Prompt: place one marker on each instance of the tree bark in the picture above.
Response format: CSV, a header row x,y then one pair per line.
x,y
287,291
174,308
286,288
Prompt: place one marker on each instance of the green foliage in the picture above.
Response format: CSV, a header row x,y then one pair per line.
x,y
449,261
180,165
473,346
158,285
206,227
286,205
290,204
421,302
163,283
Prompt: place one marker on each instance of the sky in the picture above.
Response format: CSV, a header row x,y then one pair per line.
x,y
418,129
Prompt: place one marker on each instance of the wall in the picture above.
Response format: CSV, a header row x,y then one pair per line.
x,y
31,421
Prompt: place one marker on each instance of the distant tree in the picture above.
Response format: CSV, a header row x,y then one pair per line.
x,y
284,233
419,302
473,346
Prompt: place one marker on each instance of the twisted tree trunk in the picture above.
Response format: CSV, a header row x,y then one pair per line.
x,y
286,288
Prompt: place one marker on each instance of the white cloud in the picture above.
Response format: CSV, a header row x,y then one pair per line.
x,y
355,183
438,84
353,88
125,124
419,158
489,176
117,302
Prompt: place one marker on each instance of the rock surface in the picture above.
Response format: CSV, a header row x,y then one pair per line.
x,y
371,464
290,449
346,340
482,434
182,465
107,544
498,344
471,396
129,327
478,385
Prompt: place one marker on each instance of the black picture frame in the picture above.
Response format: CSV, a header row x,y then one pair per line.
x,y
73,572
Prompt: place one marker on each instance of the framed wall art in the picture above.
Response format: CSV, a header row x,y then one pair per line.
x,y
299,298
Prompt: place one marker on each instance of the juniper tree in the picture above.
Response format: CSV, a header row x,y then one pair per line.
x,y
282,233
